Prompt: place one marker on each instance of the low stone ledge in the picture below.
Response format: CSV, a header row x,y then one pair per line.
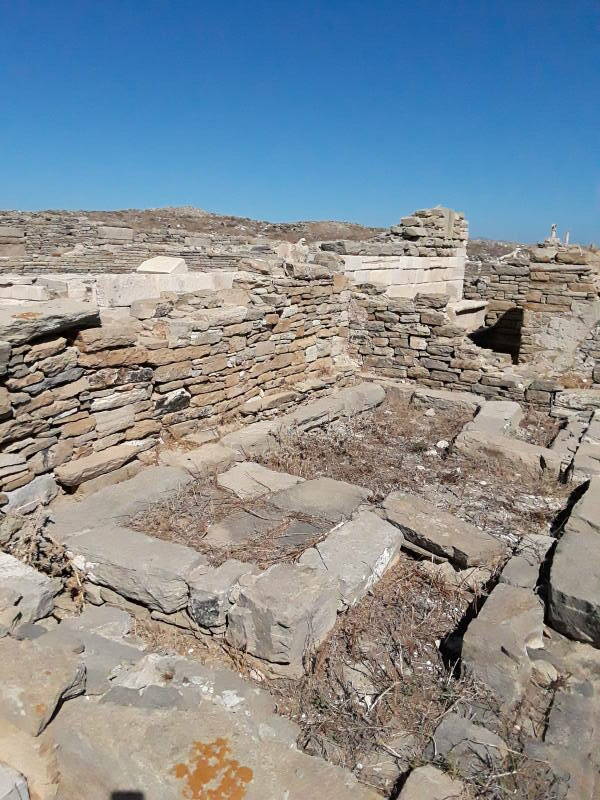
x,y
441,533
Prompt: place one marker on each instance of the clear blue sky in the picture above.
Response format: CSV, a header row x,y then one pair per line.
x,y
322,109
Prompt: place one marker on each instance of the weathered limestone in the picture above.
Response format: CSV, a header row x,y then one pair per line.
x,y
469,747
191,748
212,591
357,554
163,264
13,785
574,591
496,417
283,615
321,497
26,595
249,480
523,567
441,533
518,455
40,491
138,567
111,505
445,400
496,642
84,469
28,698
20,324
430,783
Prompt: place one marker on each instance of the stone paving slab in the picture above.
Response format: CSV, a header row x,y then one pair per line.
x,y
186,753
441,533
114,504
522,456
249,480
34,679
322,497
139,567
496,643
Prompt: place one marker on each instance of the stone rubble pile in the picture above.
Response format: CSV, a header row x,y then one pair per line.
x,y
428,232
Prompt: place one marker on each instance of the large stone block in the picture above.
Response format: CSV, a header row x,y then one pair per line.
x,y
496,642
167,265
84,469
323,497
186,746
113,233
34,679
26,595
357,554
147,570
522,457
574,597
20,324
249,480
283,615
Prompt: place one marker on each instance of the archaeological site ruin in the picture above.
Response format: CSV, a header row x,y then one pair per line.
x,y
288,517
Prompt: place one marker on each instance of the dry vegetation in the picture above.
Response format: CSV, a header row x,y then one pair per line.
x,y
186,516
537,427
378,687
395,447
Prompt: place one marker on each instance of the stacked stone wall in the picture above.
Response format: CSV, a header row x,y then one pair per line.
x,y
80,400
54,242
415,339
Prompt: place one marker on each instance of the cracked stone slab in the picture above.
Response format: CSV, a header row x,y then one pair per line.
x,y
521,456
495,645
497,417
357,554
249,480
34,679
441,533
114,504
19,324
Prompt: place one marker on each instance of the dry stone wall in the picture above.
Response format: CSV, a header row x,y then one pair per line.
x,y
425,252
542,303
416,339
48,242
81,399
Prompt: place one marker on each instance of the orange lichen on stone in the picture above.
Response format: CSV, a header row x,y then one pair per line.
x,y
40,709
27,315
210,773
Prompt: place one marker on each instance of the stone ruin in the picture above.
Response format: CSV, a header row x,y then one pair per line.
x,y
134,367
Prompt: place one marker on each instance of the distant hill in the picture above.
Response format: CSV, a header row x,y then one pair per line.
x,y
199,221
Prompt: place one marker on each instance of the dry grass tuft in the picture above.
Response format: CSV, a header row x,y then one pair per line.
x,y
186,516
